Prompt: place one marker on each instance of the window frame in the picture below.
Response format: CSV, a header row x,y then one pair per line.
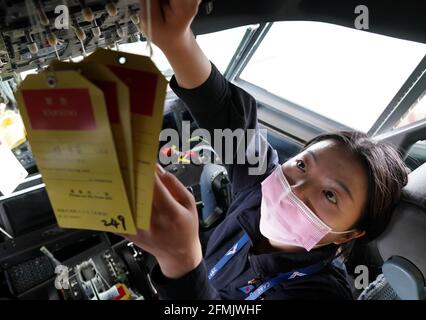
x,y
411,90
289,119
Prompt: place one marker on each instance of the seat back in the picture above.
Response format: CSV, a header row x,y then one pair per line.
x,y
403,246
406,233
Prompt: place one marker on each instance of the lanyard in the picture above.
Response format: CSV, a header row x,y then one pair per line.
x,y
282,277
229,255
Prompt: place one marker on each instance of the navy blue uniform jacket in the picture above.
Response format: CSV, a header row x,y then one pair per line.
x,y
218,104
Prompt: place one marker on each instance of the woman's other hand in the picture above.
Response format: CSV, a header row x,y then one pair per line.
x,y
173,236
171,32
170,20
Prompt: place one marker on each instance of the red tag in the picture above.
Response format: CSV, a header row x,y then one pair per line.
x,y
109,90
60,109
142,86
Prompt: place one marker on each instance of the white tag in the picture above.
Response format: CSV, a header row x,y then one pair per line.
x,y
12,173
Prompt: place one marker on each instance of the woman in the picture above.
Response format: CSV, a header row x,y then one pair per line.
x,y
284,227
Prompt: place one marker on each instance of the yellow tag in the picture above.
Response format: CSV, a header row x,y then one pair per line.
x,y
68,128
117,101
147,88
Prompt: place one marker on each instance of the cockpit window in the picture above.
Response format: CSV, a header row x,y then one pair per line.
x,y
344,74
220,47
416,113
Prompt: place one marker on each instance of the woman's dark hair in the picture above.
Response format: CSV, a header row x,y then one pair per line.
x,y
386,174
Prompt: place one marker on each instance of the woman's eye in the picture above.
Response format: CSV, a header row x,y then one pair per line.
x,y
330,196
301,165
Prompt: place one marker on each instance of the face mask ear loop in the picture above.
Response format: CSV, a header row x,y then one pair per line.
x,y
335,232
283,179
343,232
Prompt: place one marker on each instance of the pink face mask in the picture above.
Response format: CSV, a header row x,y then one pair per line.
x,y
285,219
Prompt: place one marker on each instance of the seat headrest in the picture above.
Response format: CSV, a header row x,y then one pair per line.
x,y
415,190
406,234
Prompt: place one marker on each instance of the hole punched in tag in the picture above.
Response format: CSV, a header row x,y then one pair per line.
x,y
122,60
51,81
50,77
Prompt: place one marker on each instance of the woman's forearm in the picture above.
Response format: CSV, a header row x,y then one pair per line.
x,y
191,66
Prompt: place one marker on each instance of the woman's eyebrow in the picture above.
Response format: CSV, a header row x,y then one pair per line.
x,y
312,155
340,183
345,188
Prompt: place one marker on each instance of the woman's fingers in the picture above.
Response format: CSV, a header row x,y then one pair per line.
x,y
184,5
177,189
142,239
142,11
163,200
156,10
